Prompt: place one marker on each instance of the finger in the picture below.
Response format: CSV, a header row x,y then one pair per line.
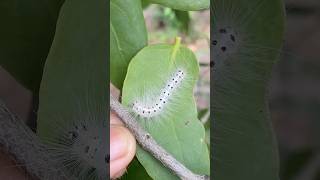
x,y
114,119
122,149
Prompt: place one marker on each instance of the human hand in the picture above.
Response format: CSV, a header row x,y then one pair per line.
x,y
122,147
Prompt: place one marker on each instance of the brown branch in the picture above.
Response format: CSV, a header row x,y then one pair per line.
x,y
18,140
150,145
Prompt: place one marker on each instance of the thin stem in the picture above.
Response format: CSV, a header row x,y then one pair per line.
x,y
149,144
176,47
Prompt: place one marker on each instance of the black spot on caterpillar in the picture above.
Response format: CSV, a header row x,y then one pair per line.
x,y
140,108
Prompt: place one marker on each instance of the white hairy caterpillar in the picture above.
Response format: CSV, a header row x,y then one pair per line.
x,y
162,78
153,109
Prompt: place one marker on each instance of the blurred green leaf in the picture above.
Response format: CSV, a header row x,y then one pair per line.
x,y
295,163
127,36
145,3
184,18
246,41
136,171
26,34
74,90
202,113
185,5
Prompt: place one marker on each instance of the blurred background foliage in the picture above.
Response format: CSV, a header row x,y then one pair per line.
x,y
295,93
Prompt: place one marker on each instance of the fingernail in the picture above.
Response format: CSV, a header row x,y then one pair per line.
x,y
118,142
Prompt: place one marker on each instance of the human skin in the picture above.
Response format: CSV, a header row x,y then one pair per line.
x,y
122,147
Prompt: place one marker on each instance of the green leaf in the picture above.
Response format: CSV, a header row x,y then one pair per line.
x,y
185,5
202,113
127,36
246,41
296,162
145,3
72,115
159,88
26,33
184,18
136,171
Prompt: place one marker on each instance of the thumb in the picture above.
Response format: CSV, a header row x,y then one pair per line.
x,y
122,147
